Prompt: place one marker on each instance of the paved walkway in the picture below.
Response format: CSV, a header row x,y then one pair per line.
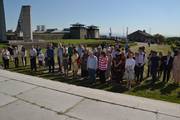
x,y
24,97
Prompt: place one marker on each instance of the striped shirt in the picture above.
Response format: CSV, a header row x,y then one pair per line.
x,y
103,63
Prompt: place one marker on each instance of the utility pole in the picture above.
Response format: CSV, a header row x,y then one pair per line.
x,y
110,33
127,30
126,45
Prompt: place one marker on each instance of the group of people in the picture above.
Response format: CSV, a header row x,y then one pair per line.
x,y
12,53
112,63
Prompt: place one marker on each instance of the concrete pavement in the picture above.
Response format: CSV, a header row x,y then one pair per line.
x,y
24,97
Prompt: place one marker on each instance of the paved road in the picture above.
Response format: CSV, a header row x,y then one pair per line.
x,y
24,97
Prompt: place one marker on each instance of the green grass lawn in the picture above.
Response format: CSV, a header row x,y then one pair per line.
x,y
160,90
88,42
80,41
2,45
159,48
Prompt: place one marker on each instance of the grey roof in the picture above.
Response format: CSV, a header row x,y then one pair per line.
x,y
142,33
93,27
77,25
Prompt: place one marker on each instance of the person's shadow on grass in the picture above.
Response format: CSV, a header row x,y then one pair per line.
x,y
168,89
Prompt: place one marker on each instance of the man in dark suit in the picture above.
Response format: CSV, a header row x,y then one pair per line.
x,y
167,66
154,65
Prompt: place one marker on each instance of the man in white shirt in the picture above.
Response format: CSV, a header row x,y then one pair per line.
x,y
140,62
33,54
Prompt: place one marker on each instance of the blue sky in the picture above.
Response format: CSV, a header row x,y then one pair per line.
x,y
157,16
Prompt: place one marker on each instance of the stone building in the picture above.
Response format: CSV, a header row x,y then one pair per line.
x,y
93,32
40,28
78,31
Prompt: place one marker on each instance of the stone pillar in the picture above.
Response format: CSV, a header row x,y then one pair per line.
x,y
2,22
24,24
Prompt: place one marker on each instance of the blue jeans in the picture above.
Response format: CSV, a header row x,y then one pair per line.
x,y
92,75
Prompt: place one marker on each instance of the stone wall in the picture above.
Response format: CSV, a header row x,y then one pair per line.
x,y
50,36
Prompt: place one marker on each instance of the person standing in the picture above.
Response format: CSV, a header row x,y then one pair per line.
x,y
120,68
6,57
50,58
16,55
38,49
84,59
80,50
10,49
160,69
176,68
70,52
103,64
65,62
154,66
60,57
113,69
92,64
75,66
110,58
40,59
129,69
167,67
137,66
46,58
113,52
23,56
140,62
149,64
33,54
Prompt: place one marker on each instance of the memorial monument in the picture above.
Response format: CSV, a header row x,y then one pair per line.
x,y
24,24
2,22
